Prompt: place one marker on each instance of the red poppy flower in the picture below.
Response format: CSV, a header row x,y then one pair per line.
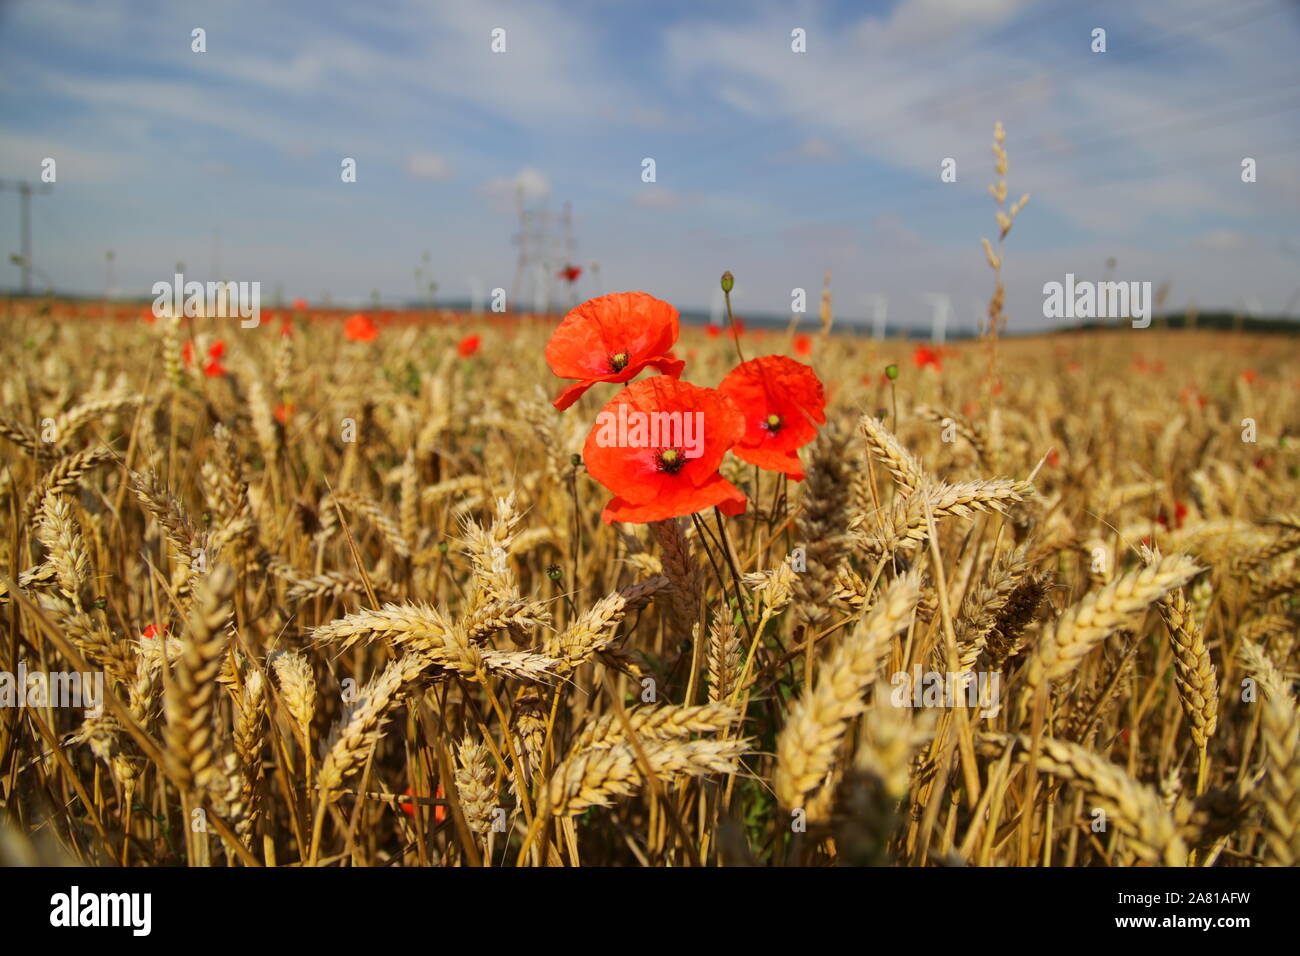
x,y
152,631
216,350
713,331
284,412
468,345
361,328
802,344
187,353
570,274
300,305
1180,512
612,338
924,356
781,400
148,316
1249,376
286,328
439,812
657,446
214,369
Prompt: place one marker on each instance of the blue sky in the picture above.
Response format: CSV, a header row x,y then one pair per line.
x,y
773,164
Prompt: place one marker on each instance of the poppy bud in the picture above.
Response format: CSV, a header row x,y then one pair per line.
x,y
891,372
575,460
101,602
728,282
554,572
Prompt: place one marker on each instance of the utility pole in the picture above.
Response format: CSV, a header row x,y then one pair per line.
x,y
569,254
521,240
545,241
25,190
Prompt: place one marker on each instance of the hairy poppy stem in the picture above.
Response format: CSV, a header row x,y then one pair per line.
x,y
735,335
577,524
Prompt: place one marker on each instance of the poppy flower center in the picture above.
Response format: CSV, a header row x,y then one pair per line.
x,y
618,361
773,423
670,460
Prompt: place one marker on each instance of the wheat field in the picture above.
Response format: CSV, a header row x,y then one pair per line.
x,y
355,605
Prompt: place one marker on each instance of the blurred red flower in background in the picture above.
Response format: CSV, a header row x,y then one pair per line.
x,y
468,345
1180,512
361,328
214,368
924,356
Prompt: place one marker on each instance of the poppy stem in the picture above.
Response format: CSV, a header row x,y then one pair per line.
x,y
735,335
703,530
577,525
735,571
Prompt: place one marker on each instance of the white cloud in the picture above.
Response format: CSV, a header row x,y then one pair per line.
x,y
928,18
427,166
814,149
883,96
19,153
530,184
656,197
1222,240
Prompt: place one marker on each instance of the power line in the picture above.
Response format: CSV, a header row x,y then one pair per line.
x,y
25,190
